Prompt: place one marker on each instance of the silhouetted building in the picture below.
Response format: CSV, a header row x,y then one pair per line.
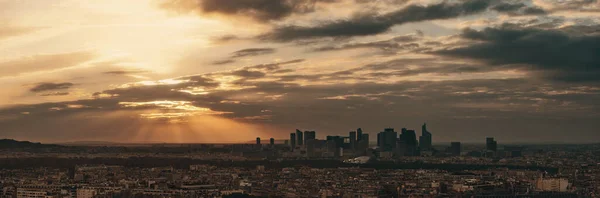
x,y
513,151
455,148
359,134
258,140
337,140
310,147
409,140
425,141
363,143
491,144
272,141
386,140
293,140
353,138
309,135
300,137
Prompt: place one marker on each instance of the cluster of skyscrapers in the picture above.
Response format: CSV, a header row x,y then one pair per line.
x,y
406,143
307,141
389,142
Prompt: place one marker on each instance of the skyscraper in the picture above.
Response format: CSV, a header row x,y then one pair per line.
x,y
455,148
359,134
387,139
352,139
293,140
309,135
491,144
258,140
364,142
409,138
272,141
300,137
425,141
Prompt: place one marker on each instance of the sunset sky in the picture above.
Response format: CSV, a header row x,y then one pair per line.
x,y
186,71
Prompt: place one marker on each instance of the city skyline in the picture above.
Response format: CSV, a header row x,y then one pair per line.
x,y
228,71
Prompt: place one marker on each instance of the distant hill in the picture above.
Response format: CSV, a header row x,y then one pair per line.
x,y
89,143
11,144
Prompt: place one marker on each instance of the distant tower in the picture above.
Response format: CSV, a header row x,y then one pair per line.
x,y
309,135
352,135
272,141
293,140
409,138
300,137
387,139
425,141
455,148
258,140
491,144
363,144
359,133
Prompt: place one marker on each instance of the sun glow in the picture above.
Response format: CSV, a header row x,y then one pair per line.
x,y
171,110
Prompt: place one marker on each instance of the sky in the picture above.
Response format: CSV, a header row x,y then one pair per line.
x,y
207,71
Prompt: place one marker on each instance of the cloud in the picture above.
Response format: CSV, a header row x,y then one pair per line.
x,y
223,62
556,54
124,72
372,24
391,45
571,5
43,62
41,87
55,94
372,106
252,52
259,10
7,31
245,53
518,9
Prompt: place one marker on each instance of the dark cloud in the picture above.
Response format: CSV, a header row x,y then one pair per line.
x,y
41,87
518,9
575,5
556,54
391,45
223,62
463,108
371,24
124,72
259,10
252,52
245,53
55,94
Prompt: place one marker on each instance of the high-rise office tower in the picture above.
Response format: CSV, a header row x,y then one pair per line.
x,y
380,140
300,137
258,140
409,138
425,141
364,142
455,148
491,144
387,139
309,135
310,146
293,140
352,139
359,134
272,141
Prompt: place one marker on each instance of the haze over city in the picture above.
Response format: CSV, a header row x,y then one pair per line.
x,y
221,71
